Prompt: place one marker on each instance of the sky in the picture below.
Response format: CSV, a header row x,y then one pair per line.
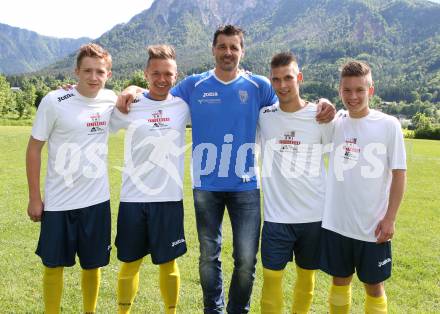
x,y
71,19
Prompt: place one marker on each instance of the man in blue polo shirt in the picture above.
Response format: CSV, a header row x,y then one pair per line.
x,y
225,104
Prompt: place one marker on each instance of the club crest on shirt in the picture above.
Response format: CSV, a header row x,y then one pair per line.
x,y
289,143
244,96
158,120
95,124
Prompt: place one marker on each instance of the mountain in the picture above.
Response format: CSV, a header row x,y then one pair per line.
x,y
399,38
26,51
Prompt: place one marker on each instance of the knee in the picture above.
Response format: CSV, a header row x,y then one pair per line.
x,y
245,261
375,290
210,250
130,269
272,275
169,268
342,281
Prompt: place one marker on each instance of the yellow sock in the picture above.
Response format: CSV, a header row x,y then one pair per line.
x,y
90,279
169,280
52,289
340,299
376,305
128,285
303,293
272,292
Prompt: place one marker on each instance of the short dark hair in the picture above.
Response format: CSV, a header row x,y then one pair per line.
x,y
282,59
161,52
357,69
94,51
229,30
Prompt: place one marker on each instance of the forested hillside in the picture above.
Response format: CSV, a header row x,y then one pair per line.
x,y
400,39
24,51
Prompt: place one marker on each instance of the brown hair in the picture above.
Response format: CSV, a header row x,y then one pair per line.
x,y
357,69
229,30
93,51
161,52
283,59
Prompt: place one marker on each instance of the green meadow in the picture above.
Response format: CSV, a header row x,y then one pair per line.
x,y
413,288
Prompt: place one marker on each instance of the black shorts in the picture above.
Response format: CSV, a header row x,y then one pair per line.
x,y
281,241
85,232
342,256
150,228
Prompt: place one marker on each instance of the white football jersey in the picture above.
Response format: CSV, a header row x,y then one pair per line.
x,y
154,149
293,173
76,129
365,152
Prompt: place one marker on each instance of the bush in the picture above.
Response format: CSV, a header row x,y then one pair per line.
x,y
428,133
408,133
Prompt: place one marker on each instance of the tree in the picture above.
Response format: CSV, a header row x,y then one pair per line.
x,y
7,99
138,79
421,121
25,100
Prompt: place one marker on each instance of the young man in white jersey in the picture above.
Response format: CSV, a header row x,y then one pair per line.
x,y
75,213
293,177
365,187
150,218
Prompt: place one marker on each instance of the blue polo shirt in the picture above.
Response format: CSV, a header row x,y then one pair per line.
x,y
224,119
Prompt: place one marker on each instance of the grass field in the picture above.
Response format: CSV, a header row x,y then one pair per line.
x,y
413,288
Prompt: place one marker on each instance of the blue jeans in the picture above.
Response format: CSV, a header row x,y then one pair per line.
x,y
244,212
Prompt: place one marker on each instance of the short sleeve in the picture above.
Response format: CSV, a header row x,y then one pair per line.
x,y
182,89
267,94
396,146
327,130
44,120
118,120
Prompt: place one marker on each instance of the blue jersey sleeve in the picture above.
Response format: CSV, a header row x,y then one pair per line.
x,y
184,89
267,94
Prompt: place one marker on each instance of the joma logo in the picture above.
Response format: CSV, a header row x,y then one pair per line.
x,y
210,94
67,96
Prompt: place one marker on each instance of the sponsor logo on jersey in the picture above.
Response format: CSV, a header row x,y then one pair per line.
x,y
289,143
384,262
244,96
96,124
351,149
210,98
173,244
210,94
273,109
352,140
67,96
158,120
